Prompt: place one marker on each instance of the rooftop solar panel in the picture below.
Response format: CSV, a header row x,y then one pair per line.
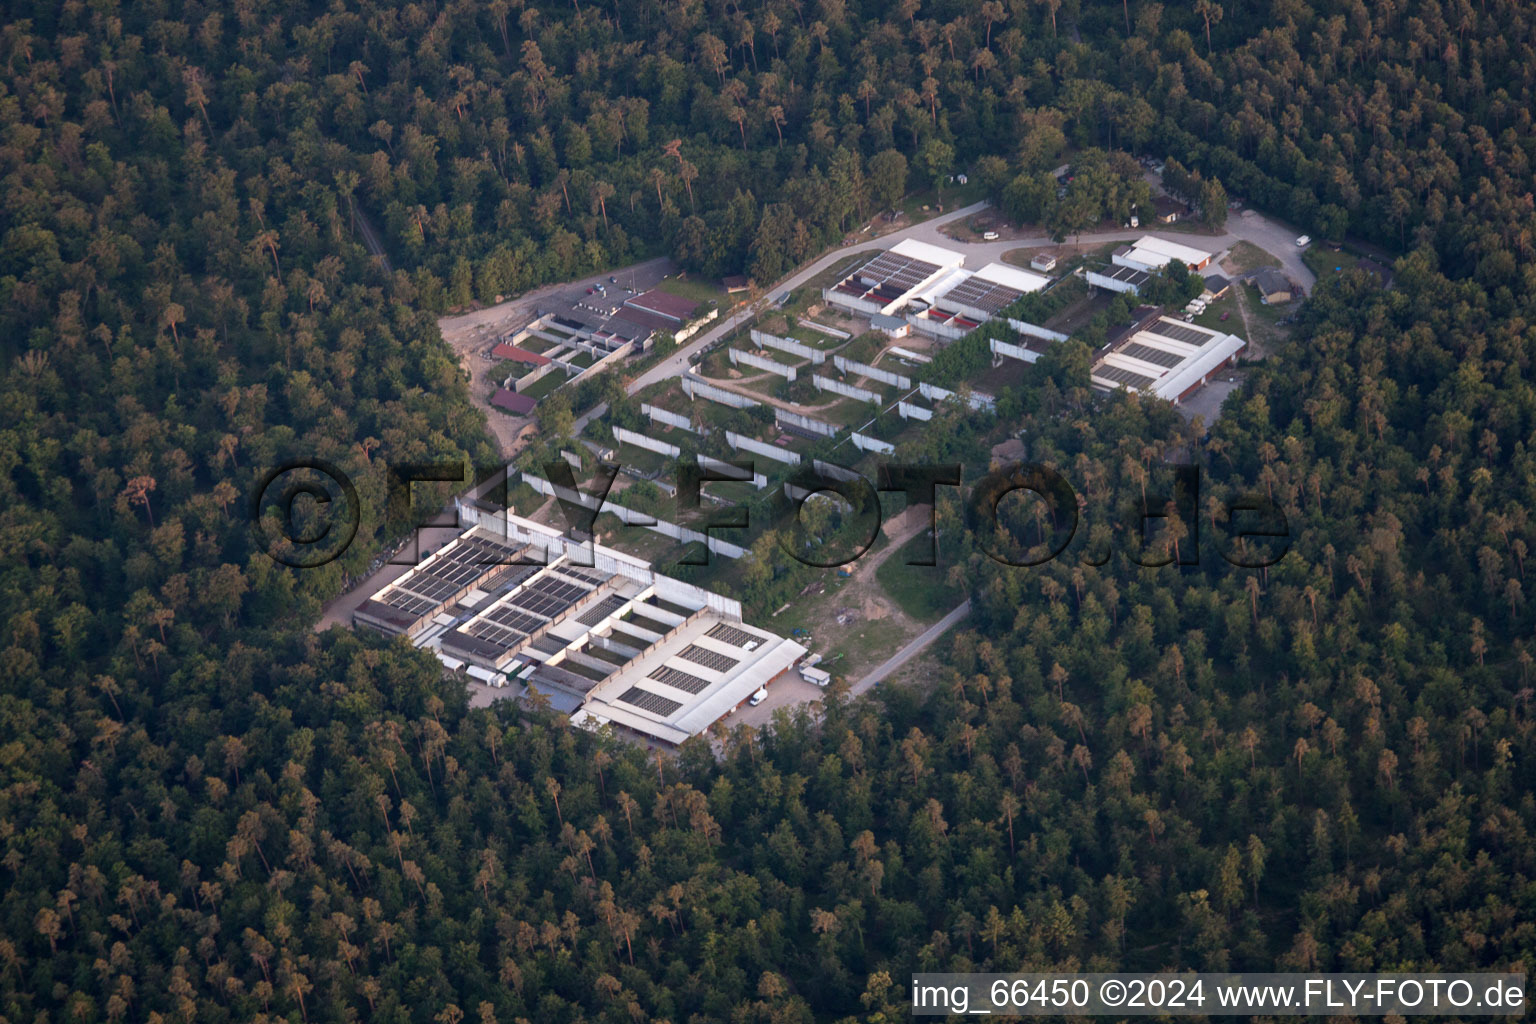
x,y
726,633
1119,375
709,659
645,700
514,619
549,644
586,574
1152,355
1184,334
600,611
406,602
460,640
677,678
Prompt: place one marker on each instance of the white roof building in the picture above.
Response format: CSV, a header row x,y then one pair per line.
x,y
888,281
599,633
1150,253
1168,358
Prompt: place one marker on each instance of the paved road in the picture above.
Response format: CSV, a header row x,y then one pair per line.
x,y
913,649
674,365
1270,235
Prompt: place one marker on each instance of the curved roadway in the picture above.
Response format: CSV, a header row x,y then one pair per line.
x,y
1249,226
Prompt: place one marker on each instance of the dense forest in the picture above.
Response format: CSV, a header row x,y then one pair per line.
x,y
208,810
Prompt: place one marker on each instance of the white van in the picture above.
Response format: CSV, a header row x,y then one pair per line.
x,y
758,697
990,236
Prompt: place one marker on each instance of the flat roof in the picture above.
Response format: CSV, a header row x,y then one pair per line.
x,y
1127,275
1165,357
674,307
928,253
613,640
1012,277
1171,250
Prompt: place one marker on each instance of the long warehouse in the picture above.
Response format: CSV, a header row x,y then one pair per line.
x,y
598,633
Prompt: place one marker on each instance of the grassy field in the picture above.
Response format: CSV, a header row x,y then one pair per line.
x,y
1325,263
546,385
1247,257
920,590
951,196
694,288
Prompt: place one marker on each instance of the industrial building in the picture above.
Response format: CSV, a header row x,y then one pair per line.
x,y
1149,253
928,287
598,633
891,279
1122,279
962,300
1164,357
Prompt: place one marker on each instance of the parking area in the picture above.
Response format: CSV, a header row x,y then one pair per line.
x,y
1208,400
786,691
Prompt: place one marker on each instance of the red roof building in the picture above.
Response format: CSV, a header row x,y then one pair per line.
x,y
513,354
511,401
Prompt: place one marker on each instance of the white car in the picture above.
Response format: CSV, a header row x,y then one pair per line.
x,y
1303,241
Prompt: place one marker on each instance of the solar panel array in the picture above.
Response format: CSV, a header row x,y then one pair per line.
x,y
548,644
585,573
1180,333
548,596
727,633
1148,354
406,602
679,679
987,296
514,619
709,659
1120,375
645,700
899,272
1130,275
600,611
457,566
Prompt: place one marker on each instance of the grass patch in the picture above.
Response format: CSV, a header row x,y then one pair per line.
x,y
1247,257
694,288
1325,263
920,590
545,385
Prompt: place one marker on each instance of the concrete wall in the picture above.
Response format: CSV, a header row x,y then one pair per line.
x,y
761,362
804,422
671,419
634,518
872,372
765,340
1101,281
907,411
870,444
837,387
650,444
833,471
696,388
757,480
832,332
1035,330
916,357
934,393
767,451
1007,351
